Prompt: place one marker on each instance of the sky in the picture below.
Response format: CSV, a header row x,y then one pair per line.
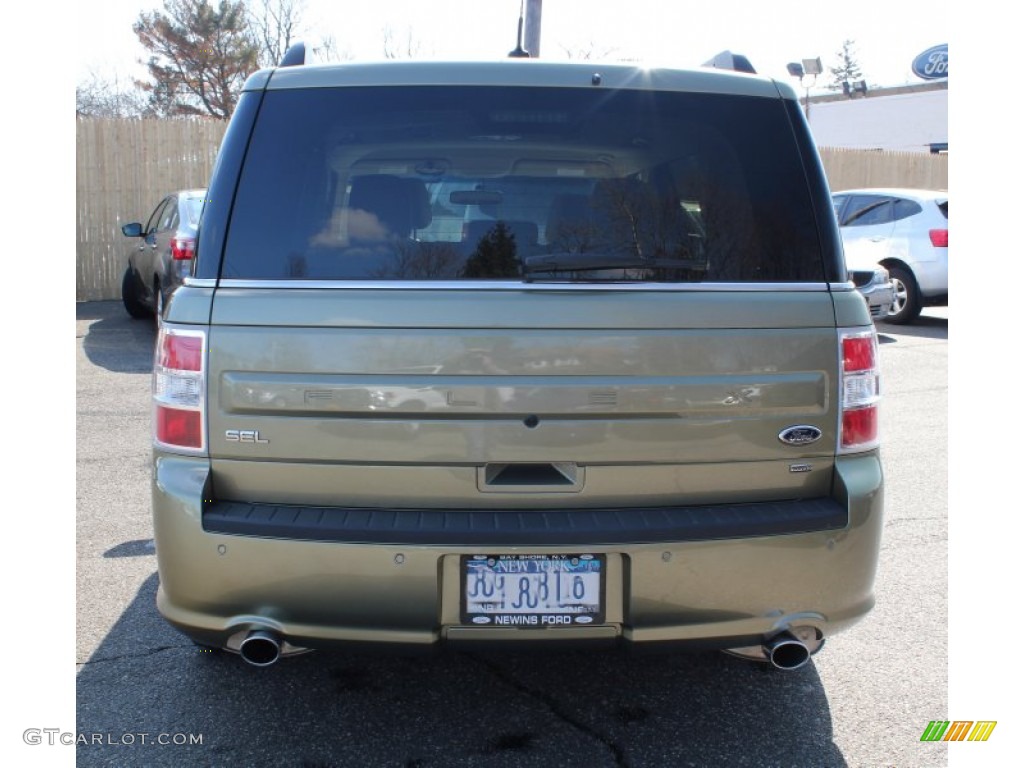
x,y
666,32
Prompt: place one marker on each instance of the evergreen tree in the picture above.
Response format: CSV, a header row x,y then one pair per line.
x,y
200,56
848,70
495,255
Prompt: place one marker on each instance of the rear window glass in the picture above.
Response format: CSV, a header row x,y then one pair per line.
x,y
448,183
904,209
944,207
194,207
868,211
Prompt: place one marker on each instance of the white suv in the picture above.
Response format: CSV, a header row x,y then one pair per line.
x,y
907,232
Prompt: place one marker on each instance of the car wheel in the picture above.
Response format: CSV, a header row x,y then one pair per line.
x,y
130,295
906,300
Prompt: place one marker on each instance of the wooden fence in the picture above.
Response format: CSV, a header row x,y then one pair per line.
x,y
854,168
126,166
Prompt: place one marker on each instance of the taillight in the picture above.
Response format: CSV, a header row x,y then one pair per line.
x,y
860,391
183,248
939,237
179,390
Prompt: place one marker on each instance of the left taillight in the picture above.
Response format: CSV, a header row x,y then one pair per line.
x,y
179,390
939,237
183,248
861,390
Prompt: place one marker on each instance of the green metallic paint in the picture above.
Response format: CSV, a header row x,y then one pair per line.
x,y
320,593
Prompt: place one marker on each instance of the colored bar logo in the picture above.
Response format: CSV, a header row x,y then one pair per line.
x,y
958,730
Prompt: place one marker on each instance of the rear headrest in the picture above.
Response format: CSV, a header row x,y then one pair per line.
x,y
572,223
612,194
400,205
569,209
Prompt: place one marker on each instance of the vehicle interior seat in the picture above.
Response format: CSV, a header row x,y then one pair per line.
x,y
571,225
384,207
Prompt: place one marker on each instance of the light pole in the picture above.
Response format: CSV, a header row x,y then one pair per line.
x,y
530,14
808,68
534,9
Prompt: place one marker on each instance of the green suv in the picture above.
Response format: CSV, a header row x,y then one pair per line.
x,y
516,352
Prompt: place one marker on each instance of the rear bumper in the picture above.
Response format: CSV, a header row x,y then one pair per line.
x,y
879,297
712,576
576,528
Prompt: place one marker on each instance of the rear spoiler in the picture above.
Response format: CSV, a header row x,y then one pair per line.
x,y
295,56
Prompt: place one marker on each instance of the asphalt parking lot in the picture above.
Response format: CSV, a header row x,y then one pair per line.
x,y
863,701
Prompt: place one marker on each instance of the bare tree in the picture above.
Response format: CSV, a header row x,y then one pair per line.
x,y
102,96
396,49
202,52
275,25
421,261
588,52
329,50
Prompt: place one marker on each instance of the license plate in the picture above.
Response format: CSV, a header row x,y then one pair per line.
x,y
533,590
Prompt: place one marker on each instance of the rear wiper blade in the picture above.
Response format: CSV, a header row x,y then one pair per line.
x,y
572,262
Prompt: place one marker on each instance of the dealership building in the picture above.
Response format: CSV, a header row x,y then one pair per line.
x,y
906,118
909,118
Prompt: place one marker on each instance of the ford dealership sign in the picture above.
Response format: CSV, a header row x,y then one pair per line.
x,y
933,64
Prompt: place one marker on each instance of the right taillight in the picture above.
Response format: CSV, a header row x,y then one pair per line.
x,y
183,248
939,237
860,391
179,387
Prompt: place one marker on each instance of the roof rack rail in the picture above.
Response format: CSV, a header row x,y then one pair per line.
x,y
295,56
730,60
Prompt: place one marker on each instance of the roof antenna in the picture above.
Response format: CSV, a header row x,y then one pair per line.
x,y
520,52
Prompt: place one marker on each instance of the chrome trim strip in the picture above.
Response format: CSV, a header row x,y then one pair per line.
x,y
200,282
509,285
842,287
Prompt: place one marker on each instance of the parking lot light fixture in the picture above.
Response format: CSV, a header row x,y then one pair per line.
x,y
801,70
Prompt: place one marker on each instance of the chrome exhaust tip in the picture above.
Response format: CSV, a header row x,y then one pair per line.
x,y
260,648
786,651
788,645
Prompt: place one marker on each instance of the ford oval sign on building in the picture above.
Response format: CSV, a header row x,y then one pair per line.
x,y
933,64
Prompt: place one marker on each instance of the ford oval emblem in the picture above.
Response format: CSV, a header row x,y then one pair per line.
x,y
933,64
584,619
481,619
803,434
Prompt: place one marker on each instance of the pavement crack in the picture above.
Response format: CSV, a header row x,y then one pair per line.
x,y
556,709
136,655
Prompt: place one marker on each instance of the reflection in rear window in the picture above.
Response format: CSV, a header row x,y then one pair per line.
x,y
449,183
